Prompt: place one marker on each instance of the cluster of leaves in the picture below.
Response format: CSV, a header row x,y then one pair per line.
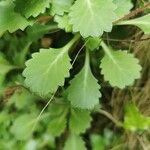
x,y
51,73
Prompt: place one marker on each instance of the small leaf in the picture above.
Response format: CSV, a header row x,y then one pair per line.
x,y
36,31
31,7
123,7
21,99
79,121
2,85
61,6
57,125
9,19
74,142
134,120
83,91
120,68
47,69
63,22
22,126
57,117
31,145
142,22
98,142
90,17
93,43
103,141
58,107
5,66
4,117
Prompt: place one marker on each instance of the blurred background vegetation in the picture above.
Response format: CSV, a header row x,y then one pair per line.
x,y
20,128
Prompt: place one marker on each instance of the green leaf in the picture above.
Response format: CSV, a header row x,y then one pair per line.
x,y
74,142
31,7
57,118
80,120
63,22
90,17
8,144
142,22
83,91
9,19
58,107
21,99
22,126
134,120
57,125
2,85
31,145
93,43
5,66
4,117
102,142
98,142
120,68
47,69
123,7
36,31
61,6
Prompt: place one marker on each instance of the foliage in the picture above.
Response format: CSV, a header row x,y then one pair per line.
x,y
133,117
26,7
74,142
141,22
95,25
9,18
83,91
54,56
124,67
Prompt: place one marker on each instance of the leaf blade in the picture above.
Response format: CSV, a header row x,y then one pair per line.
x,y
124,68
142,22
97,21
83,91
48,76
79,121
31,7
9,18
74,142
123,7
133,117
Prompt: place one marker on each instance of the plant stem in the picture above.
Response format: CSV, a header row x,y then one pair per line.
x,y
87,57
133,13
79,52
107,50
109,116
40,114
72,42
